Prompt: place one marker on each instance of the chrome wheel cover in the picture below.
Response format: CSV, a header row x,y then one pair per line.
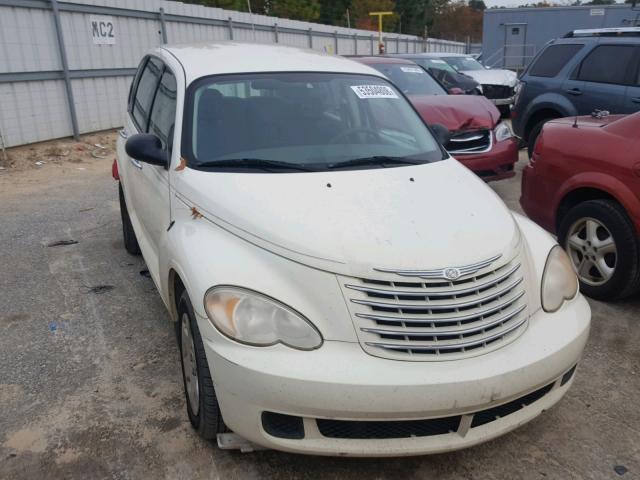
x,y
592,250
189,366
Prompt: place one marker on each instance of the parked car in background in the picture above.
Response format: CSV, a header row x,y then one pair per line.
x,y
585,71
478,139
340,284
443,72
583,183
498,85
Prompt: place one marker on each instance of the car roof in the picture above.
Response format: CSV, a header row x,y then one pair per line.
x,y
429,55
201,60
383,60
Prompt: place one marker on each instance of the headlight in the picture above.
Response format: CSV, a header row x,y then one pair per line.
x,y
256,319
502,132
559,281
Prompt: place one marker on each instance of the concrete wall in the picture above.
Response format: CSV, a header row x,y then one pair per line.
x,y
35,86
539,25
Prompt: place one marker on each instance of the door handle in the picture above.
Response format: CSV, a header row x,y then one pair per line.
x,y
135,163
574,91
123,133
635,99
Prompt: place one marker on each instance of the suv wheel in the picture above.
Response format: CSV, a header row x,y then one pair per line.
x,y
130,240
533,135
202,404
603,246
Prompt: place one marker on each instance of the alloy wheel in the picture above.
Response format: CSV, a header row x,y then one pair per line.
x,y
592,250
189,366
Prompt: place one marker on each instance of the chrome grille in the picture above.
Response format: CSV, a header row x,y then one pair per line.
x,y
497,91
477,141
429,317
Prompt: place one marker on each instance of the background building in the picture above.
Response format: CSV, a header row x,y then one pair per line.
x,y
513,36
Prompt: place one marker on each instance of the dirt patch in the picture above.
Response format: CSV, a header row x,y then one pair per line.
x,y
92,146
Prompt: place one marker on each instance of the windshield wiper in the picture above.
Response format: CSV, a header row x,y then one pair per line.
x,y
382,160
259,163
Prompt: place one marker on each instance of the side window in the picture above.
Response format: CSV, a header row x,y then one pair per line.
x,y
134,84
607,64
163,113
145,92
551,61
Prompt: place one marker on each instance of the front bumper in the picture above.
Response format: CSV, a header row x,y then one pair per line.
x,y
496,164
340,381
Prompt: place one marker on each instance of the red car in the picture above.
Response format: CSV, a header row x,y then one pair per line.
x,y
583,183
479,140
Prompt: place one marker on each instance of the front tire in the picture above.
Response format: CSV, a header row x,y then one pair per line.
x,y
604,249
533,135
202,404
130,239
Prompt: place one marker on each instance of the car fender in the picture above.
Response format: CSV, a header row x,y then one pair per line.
x,y
205,255
549,101
606,183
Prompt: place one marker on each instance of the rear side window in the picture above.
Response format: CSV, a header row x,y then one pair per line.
x,y
145,92
553,59
607,64
163,113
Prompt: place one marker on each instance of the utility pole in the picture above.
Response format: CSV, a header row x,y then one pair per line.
x,y
380,15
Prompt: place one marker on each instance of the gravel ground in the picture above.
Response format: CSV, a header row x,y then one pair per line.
x,y
90,382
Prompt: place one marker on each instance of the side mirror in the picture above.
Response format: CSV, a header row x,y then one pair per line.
x,y
441,132
147,148
456,91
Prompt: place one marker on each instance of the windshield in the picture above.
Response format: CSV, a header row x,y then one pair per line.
x,y
309,121
464,63
435,64
411,79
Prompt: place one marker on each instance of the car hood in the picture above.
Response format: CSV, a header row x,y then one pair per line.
x,y
493,77
350,222
457,112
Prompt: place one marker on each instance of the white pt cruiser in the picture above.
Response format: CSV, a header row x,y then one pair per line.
x,y
340,284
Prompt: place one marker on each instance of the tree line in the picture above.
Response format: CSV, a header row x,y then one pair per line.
x,y
453,20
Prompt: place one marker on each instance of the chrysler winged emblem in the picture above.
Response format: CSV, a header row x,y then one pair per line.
x,y
452,273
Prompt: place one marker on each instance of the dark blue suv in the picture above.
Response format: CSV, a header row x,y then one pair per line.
x,y
586,70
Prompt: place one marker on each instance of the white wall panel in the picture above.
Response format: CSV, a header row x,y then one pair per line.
x,y
32,111
100,102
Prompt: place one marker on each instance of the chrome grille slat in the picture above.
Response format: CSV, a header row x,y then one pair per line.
x,y
435,315
470,142
443,319
439,273
437,332
441,306
432,292
456,346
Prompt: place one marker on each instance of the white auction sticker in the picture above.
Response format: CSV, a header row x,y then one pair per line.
x,y
373,91
437,61
412,69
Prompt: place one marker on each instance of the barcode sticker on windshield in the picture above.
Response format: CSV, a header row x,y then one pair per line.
x,y
373,91
412,69
437,61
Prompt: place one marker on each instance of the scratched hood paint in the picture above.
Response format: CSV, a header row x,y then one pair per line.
x,y
366,219
457,112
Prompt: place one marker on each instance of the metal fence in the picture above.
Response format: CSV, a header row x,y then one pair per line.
x,y
65,67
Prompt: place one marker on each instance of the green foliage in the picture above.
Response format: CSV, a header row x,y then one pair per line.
x,y
307,10
334,12
444,18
